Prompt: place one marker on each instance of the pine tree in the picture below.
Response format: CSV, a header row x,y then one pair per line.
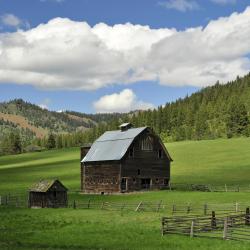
x,y
51,142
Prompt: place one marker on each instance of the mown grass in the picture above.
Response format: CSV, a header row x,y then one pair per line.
x,y
94,229
210,162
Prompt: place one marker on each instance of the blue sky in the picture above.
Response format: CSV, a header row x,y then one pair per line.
x,y
152,77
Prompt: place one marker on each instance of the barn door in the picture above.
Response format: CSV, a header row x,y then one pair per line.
x,y
124,184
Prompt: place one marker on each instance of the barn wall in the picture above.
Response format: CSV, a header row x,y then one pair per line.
x,y
147,163
100,178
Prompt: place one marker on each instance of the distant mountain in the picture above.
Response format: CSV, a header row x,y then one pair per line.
x,y
33,121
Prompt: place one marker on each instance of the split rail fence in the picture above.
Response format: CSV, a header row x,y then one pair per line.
x,y
229,227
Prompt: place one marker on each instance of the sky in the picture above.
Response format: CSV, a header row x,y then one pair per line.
x,y
97,56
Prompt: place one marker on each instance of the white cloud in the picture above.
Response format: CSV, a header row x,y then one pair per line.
x,y
14,21
11,20
65,54
224,2
45,103
180,5
124,101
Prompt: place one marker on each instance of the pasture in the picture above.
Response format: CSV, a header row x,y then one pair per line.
x,y
208,162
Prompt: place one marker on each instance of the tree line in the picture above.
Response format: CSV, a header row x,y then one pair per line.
x,y
219,111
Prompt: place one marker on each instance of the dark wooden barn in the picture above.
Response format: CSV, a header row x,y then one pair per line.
x,y
48,193
125,160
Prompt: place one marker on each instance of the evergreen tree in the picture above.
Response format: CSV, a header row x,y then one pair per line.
x,y
51,142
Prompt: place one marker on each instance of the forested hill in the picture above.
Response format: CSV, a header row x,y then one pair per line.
x,y
220,111
213,112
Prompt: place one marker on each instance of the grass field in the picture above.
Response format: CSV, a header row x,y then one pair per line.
x,y
218,162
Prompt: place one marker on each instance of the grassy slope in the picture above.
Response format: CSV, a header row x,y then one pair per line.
x,y
216,161
211,162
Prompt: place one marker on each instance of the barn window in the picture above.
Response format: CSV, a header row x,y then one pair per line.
x,y
146,144
160,153
131,152
138,171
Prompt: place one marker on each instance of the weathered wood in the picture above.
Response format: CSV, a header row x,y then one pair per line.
x,y
173,209
138,207
247,216
143,169
159,206
192,229
236,207
205,209
213,220
225,229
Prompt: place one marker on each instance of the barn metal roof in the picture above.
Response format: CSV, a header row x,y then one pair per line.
x,y
43,186
112,145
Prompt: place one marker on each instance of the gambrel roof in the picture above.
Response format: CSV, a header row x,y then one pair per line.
x,y
113,145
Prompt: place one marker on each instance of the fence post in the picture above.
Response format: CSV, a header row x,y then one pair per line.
x,y
162,225
213,220
89,203
102,205
138,207
192,229
174,208
225,187
188,208
225,229
159,206
236,207
205,209
74,204
170,188
247,216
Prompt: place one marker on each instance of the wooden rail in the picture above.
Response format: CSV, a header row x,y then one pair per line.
x,y
230,227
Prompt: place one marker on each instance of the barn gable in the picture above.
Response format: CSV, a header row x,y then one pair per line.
x,y
113,145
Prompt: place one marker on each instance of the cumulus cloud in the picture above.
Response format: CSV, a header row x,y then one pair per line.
x,y
14,21
124,101
180,5
224,2
65,54
45,103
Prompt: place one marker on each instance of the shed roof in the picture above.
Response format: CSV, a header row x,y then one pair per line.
x,y
44,185
112,145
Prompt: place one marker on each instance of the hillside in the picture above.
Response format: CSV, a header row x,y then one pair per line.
x,y
220,111
209,162
35,116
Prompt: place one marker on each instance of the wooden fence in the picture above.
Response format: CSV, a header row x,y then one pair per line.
x,y
160,206
209,187
171,208
229,227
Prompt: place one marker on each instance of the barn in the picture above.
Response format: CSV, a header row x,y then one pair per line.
x,y
48,193
125,160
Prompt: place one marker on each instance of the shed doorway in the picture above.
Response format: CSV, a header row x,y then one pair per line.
x,y
145,183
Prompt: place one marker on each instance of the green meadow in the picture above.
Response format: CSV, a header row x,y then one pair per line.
x,y
209,162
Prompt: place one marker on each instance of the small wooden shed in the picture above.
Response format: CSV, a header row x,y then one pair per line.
x,y
48,193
